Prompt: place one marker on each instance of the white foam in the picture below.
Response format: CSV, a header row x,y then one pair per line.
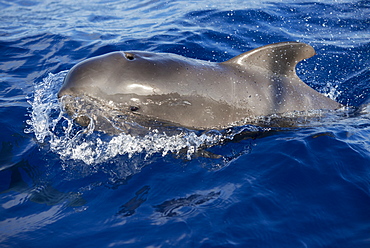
x,y
331,91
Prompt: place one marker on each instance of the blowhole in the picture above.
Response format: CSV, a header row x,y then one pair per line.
x,y
129,56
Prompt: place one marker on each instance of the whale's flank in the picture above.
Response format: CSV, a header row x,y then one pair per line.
x,y
146,88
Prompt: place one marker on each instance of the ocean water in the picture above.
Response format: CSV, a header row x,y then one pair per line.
x,y
62,185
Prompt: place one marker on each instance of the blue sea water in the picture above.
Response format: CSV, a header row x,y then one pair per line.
x,y
63,187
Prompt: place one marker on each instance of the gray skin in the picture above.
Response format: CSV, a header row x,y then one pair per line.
x,y
197,94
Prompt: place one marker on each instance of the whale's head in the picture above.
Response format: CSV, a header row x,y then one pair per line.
x,y
131,85
113,73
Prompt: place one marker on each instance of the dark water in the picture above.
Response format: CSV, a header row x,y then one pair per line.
x,y
303,187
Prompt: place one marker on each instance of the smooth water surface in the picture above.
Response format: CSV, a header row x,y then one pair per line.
x,y
63,186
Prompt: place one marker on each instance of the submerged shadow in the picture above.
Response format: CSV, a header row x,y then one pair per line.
x,y
170,208
129,208
41,192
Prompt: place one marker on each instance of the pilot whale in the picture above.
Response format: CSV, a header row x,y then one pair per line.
x,y
146,88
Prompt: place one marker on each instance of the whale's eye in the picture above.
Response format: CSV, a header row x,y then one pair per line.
x,y
129,56
134,108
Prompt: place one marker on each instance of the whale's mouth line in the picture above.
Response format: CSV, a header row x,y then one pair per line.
x,y
88,110
107,117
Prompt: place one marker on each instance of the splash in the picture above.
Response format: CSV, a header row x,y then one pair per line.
x,y
55,129
331,90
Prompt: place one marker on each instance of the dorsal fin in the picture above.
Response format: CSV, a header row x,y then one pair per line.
x,y
279,58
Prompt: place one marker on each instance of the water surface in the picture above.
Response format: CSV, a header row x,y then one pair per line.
x,y
302,187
